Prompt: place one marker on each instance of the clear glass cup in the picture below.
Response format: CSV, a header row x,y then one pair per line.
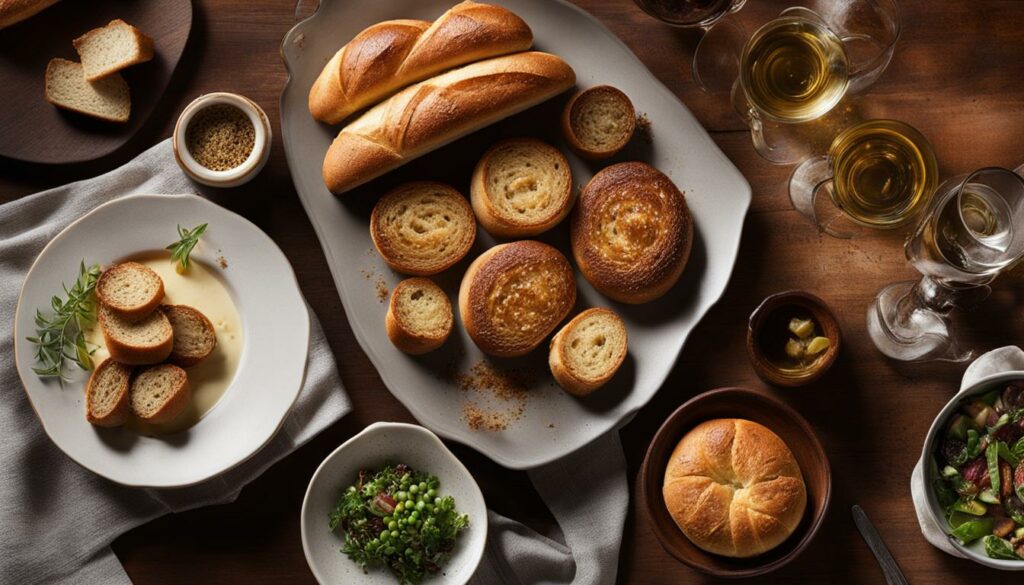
x,y
972,232
878,174
690,13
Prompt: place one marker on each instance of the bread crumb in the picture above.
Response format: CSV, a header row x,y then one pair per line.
x,y
643,126
498,396
222,262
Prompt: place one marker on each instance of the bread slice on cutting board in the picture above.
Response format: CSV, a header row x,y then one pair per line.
x,y
109,49
106,99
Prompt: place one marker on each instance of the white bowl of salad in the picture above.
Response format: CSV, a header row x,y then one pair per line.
x,y
974,462
393,505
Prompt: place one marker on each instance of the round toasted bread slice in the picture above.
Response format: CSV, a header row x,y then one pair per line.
x,y
587,352
194,337
106,394
137,342
419,317
598,122
130,289
158,394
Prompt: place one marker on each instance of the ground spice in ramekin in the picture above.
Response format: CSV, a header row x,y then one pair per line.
x,y
220,137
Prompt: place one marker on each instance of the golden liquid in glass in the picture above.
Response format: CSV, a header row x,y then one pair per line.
x,y
884,171
794,70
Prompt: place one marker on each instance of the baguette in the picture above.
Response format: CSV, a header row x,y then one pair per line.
x,y
194,336
390,55
158,394
15,11
148,340
433,113
130,289
106,394
419,317
587,352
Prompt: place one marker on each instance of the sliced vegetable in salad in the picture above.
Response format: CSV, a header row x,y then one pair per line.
x,y
980,480
397,518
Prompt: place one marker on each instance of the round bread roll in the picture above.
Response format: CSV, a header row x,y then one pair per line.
x,y
422,228
587,352
419,317
514,295
521,187
631,232
734,489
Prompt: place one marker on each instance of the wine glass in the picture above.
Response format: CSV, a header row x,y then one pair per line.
x,y
973,231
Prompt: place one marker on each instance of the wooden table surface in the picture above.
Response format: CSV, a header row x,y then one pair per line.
x,y
957,75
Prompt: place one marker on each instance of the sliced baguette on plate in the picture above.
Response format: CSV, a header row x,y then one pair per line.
x,y
194,336
587,352
158,394
106,99
130,289
148,340
419,317
111,48
106,394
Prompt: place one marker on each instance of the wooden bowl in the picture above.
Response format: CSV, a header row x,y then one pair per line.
x,y
774,312
749,405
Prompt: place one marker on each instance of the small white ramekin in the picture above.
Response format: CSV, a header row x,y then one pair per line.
x,y
244,172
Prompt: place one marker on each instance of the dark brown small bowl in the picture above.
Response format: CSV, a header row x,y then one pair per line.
x,y
768,313
749,405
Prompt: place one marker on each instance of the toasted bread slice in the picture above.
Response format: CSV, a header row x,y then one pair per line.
x,y
194,337
419,317
107,99
158,394
144,341
111,48
598,122
588,351
130,289
106,394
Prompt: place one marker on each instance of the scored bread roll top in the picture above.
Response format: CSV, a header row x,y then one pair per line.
x,y
514,295
432,113
631,232
734,488
521,187
422,228
390,55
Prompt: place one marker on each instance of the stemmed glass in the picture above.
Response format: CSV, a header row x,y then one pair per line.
x,y
973,231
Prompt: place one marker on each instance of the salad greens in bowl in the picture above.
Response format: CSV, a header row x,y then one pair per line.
x,y
974,454
393,505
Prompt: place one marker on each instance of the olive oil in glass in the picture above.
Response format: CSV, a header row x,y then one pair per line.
x,y
883,171
794,70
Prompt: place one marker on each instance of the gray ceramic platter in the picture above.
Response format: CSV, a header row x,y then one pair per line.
x,y
553,423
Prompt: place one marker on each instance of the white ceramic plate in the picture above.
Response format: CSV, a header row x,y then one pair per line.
x,y
376,445
554,423
275,325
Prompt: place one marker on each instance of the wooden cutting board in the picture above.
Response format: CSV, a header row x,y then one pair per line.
x,y
33,130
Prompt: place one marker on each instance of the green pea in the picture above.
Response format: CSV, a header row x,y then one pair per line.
x,y
394,534
409,552
414,489
414,515
431,493
388,519
420,505
437,501
401,496
392,525
390,550
423,486
400,507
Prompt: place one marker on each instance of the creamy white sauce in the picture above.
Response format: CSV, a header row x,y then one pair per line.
x,y
201,289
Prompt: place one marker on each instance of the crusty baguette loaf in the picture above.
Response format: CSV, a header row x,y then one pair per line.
x,y
106,394
194,336
148,340
160,393
105,99
14,11
587,352
130,289
111,48
433,113
393,54
419,317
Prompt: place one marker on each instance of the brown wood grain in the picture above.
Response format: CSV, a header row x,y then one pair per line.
x,y
957,75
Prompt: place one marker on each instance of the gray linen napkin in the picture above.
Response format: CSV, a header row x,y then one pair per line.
x,y
57,518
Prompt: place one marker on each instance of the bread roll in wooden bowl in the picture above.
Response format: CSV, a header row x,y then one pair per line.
x,y
783,421
631,232
514,295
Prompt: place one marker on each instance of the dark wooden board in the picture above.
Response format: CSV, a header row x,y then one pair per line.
x,y
31,129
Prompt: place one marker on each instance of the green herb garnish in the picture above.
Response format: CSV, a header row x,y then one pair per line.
x,y
181,249
395,517
61,338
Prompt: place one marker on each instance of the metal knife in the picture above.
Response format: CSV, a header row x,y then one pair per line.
x,y
891,570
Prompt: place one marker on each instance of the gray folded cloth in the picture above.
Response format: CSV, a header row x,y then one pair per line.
x,y
58,519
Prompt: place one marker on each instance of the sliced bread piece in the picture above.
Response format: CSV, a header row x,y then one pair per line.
x,y
598,122
130,289
144,341
106,394
419,317
158,394
588,351
194,337
111,48
106,99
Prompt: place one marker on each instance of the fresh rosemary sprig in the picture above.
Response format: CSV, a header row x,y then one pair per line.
x,y
181,249
61,338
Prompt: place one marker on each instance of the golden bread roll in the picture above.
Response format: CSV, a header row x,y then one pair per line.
x,y
598,122
393,54
521,187
419,317
588,350
631,232
432,113
422,228
514,295
734,488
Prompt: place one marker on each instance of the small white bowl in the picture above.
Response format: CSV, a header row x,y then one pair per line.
x,y
376,445
976,550
244,172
